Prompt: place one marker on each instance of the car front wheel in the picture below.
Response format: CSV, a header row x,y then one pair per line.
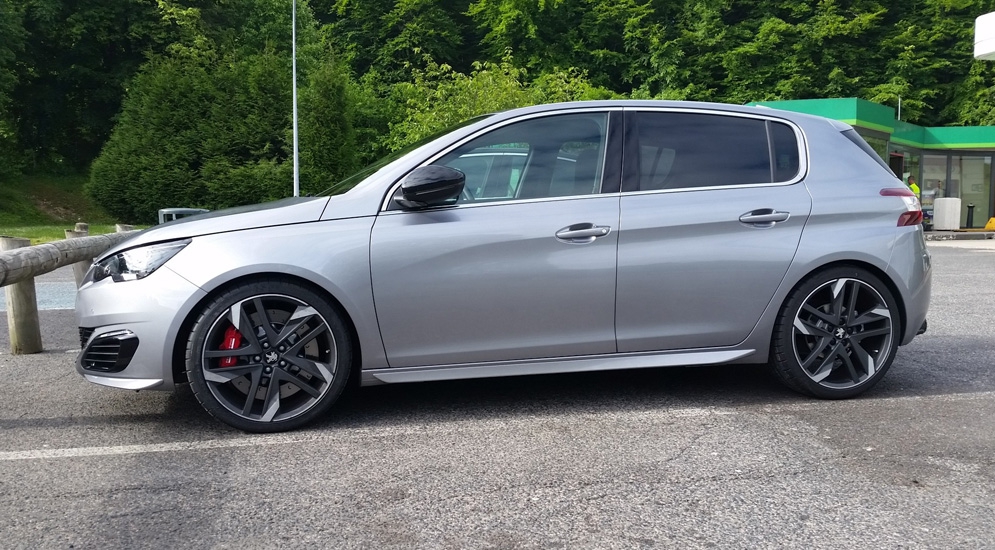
x,y
836,334
268,356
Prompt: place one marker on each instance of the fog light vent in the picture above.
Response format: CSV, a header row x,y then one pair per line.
x,y
111,352
84,336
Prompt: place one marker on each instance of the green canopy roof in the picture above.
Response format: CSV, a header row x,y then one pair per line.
x,y
861,113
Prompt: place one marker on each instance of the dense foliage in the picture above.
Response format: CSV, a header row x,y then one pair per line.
x,y
188,102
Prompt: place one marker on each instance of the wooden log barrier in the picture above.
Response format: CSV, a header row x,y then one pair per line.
x,y
79,268
25,263
22,307
20,264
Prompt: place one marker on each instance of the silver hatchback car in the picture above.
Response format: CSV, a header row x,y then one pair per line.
x,y
558,238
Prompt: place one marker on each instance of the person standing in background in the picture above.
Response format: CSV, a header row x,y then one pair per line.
x,y
913,186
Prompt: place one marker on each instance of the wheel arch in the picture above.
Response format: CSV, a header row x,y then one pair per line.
x,y
179,345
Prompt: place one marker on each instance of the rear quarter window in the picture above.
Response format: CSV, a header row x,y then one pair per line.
x,y
855,138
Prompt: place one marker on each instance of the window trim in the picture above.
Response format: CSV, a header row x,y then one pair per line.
x,y
611,133
631,141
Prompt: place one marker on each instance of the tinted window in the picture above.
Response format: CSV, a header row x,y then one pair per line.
x,y
679,150
785,151
553,156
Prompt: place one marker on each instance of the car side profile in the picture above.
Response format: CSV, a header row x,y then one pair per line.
x,y
549,239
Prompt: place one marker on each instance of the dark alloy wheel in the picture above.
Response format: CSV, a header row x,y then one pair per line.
x,y
837,334
268,356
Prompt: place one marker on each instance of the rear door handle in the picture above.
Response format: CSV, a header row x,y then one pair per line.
x,y
765,217
582,232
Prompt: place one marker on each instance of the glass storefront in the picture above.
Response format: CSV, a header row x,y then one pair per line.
x,y
933,183
967,176
970,179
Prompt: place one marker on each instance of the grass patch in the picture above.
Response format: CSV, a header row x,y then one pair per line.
x,y
41,207
47,233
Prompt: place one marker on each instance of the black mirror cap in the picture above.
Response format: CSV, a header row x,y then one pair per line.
x,y
431,185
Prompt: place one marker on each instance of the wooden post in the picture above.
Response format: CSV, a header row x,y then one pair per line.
x,y
79,268
22,308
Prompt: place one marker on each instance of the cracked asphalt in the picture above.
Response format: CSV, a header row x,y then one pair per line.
x,y
658,458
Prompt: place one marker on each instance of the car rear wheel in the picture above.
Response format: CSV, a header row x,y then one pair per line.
x,y
836,334
268,356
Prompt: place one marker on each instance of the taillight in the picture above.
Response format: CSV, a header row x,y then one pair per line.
x,y
913,210
910,218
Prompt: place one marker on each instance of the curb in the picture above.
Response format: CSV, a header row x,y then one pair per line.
x,y
959,235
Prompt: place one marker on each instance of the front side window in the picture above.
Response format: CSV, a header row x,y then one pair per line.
x,y
553,156
687,150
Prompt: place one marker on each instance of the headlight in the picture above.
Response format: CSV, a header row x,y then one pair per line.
x,y
136,263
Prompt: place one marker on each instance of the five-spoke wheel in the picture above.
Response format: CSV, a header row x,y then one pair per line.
x,y
836,334
268,356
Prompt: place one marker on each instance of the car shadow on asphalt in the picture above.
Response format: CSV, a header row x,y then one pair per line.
x,y
920,369
916,372
561,394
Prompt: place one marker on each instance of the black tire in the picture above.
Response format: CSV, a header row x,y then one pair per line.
x,y
294,362
836,334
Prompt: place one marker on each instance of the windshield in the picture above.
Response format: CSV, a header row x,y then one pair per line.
x,y
353,180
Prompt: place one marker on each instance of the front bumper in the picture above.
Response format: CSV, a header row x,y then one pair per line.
x,y
128,329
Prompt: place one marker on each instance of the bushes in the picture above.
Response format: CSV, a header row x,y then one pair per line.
x,y
214,134
208,124
154,154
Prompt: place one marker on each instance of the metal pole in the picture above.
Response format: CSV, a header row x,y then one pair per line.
x,y
293,49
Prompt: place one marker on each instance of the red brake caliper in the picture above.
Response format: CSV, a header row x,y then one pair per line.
x,y
233,339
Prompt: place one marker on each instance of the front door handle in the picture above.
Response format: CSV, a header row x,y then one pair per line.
x,y
765,217
582,232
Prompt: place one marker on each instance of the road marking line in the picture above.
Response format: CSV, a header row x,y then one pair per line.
x,y
76,452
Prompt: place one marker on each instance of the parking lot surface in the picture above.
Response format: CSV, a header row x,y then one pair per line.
x,y
680,458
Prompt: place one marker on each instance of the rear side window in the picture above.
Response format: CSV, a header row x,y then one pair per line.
x,y
682,150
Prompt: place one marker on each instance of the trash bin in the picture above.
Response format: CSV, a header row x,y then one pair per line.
x,y
170,214
946,214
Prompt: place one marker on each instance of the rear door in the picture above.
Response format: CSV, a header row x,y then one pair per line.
x,y
712,210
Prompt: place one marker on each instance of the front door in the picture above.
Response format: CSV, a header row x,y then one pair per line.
x,y
522,267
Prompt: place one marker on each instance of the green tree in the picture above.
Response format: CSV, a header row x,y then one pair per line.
x,y
327,139
12,31
440,97
72,73
386,37
208,123
615,42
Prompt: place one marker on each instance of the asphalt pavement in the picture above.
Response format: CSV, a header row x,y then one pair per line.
x,y
54,290
656,458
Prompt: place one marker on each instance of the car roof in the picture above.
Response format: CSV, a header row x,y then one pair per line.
x,y
659,104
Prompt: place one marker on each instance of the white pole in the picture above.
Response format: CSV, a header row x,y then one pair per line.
x,y
293,49
899,107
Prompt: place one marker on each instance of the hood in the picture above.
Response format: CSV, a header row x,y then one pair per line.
x,y
281,212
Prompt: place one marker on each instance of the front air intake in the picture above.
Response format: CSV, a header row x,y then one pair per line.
x,y
110,352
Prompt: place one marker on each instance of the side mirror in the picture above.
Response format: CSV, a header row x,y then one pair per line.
x,y
431,185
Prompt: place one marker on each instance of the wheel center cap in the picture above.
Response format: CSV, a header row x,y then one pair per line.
x,y
840,333
271,357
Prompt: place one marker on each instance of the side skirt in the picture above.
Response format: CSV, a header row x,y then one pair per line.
x,y
550,366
